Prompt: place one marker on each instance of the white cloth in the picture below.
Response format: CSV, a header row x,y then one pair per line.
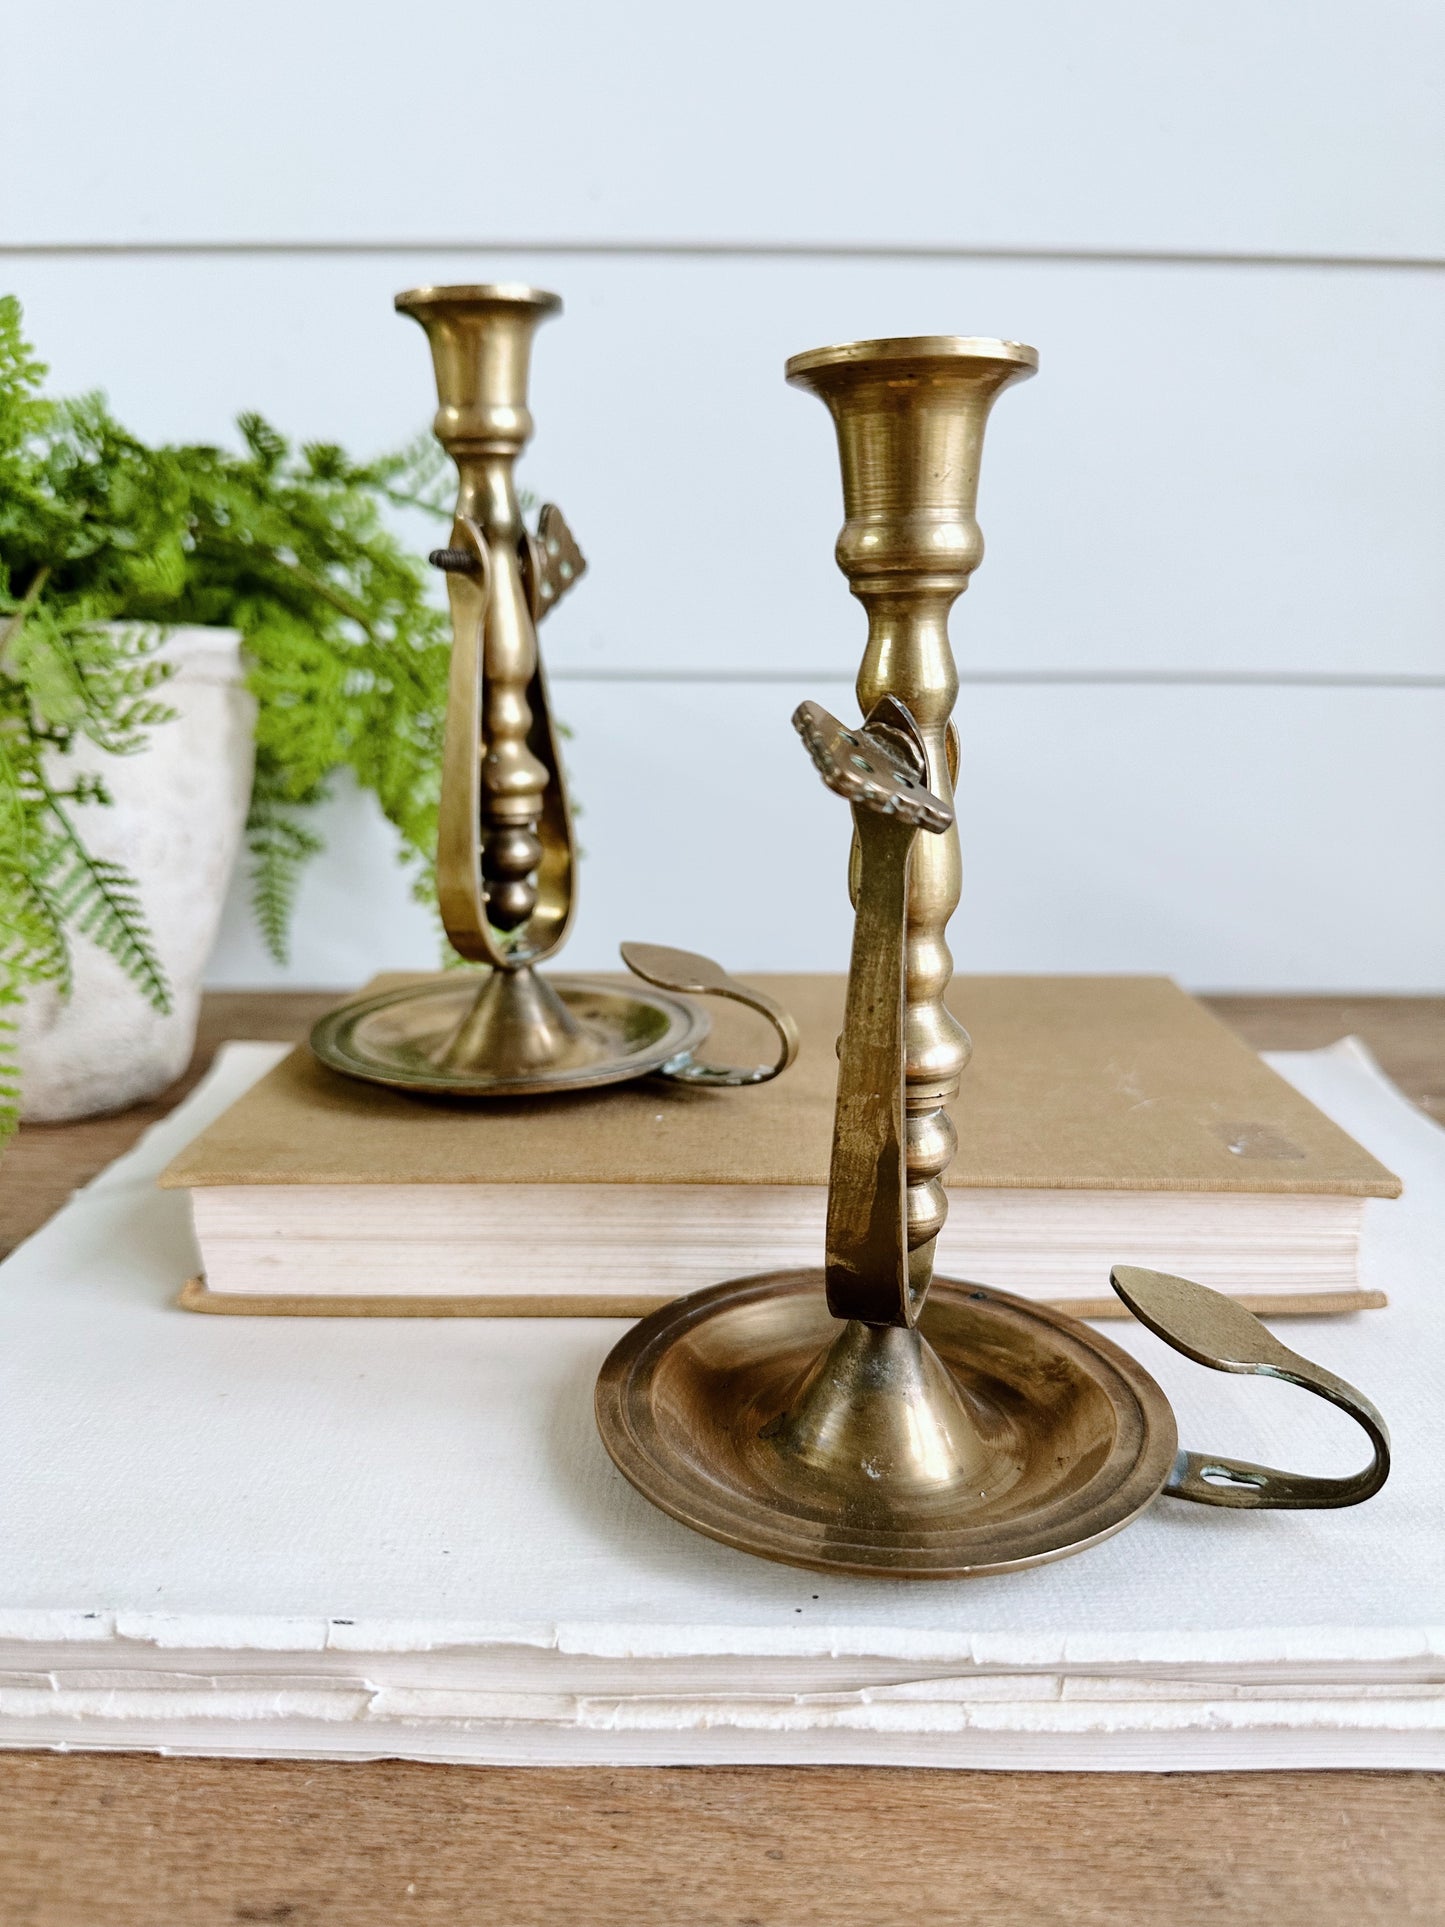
x,y
402,1537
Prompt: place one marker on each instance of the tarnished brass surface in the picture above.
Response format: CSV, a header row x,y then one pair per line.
x,y
1038,1437
855,1428
993,1434
409,1038
1216,1331
519,1034
870,1268
506,854
685,971
887,1422
910,417
885,1426
505,847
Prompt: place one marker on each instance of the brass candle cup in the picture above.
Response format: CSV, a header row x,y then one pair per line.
x,y
867,1418
506,850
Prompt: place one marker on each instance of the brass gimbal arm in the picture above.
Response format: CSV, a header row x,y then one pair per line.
x,y
871,1273
505,850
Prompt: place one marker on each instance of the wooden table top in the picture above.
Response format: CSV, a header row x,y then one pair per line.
x,y
128,1840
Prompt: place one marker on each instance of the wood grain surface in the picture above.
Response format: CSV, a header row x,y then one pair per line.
x,y
118,1840
127,1841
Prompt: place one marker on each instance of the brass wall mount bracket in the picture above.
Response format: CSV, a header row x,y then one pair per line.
x,y
506,848
868,1418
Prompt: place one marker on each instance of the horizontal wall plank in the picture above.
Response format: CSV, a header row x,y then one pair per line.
x,y
1216,470
1302,126
1261,838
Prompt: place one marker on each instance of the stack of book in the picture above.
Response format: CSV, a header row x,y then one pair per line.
x,y
1103,1120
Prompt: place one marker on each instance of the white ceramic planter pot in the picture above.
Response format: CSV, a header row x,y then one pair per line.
x,y
175,824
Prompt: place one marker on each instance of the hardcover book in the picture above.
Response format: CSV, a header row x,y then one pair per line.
x,y
1102,1120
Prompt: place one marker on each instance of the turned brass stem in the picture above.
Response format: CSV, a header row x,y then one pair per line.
x,y
504,846
910,417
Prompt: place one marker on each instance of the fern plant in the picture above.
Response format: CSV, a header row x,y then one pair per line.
x,y
347,654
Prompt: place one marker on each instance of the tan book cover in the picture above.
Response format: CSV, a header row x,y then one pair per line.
x,y
1076,1083
1098,1085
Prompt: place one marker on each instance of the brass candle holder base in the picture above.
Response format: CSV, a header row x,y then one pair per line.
x,y
991,1435
517,1033
455,1040
997,1434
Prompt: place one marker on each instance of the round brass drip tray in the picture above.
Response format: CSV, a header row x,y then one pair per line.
x,y
490,1034
999,1436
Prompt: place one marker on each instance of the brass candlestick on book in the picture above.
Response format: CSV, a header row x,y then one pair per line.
x,y
506,854
870,1419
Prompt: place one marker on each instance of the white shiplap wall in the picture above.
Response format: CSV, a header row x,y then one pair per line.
x,y
1205,680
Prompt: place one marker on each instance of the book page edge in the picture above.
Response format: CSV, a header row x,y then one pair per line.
x,y
195,1295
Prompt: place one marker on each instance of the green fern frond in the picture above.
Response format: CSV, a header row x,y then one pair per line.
x,y
21,371
268,447
87,788
9,1061
80,677
419,476
326,462
33,951
279,848
33,947
100,899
